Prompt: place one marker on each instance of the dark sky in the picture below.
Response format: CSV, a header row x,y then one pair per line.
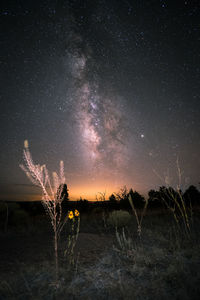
x,y
110,87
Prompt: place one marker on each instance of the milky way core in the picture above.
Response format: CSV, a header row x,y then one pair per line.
x,y
100,121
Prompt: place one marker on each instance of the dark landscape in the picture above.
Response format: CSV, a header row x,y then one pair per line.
x,y
162,262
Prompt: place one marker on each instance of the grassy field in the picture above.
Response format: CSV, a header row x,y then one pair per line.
x,y
109,262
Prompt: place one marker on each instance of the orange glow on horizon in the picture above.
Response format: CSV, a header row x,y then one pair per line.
x,y
87,190
75,192
90,192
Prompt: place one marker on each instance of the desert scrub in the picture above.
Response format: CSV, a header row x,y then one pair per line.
x,y
124,243
119,218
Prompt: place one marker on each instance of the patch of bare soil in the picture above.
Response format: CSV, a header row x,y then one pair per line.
x,y
17,249
91,247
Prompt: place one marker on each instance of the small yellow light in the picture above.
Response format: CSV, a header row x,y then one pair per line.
x,y
70,215
76,212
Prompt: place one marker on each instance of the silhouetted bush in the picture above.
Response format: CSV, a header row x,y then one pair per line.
x,y
83,205
192,196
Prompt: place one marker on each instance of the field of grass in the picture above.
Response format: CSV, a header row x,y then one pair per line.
x,y
109,262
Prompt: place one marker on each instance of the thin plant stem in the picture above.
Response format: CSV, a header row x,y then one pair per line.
x,y
51,194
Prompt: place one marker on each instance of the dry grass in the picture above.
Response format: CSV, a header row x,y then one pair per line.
x,y
139,219
162,264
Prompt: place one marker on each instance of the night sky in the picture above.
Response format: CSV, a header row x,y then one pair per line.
x,y
112,88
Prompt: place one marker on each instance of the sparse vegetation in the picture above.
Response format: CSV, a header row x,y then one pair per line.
x,y
103,262
116,265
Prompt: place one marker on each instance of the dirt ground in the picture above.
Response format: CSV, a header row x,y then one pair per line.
x,y
162,265
19,249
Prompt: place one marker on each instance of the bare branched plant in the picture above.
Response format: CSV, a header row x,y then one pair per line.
x,y
51,194
175,201
138,219
101,196
122,194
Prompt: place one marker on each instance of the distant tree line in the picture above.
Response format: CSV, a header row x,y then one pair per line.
x,y
163,198
156,199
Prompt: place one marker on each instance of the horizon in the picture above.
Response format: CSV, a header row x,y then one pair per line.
x,y
35,197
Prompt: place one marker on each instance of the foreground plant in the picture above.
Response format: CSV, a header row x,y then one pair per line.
x,y
138,219
74,218
175,202
125,244
51,194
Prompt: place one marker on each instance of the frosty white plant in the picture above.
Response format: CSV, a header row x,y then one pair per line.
x,y
51,193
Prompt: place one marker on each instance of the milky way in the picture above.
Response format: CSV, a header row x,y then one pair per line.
x,y
109,87
101,120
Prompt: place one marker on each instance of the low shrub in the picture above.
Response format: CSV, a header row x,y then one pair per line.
x,y
119,218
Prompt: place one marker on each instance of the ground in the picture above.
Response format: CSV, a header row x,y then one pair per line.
x,y
163,263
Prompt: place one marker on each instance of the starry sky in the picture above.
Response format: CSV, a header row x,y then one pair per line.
x,y
109,87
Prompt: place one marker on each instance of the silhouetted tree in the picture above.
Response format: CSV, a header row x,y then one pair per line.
x,y
122,194
62,192
138,200
154,199
192,195
112,199
112,203
122,197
